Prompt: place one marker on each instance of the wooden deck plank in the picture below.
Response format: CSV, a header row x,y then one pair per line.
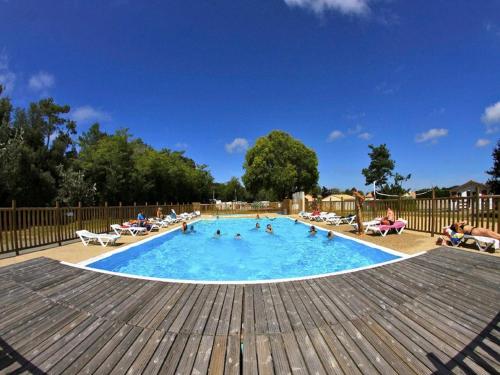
x,y
143,358
218,357
188,357
158,358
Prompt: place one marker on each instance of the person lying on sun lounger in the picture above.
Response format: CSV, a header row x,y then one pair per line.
x,y
389,218
463,227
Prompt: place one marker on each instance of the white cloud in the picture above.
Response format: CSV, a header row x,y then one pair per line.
x,y
431,135
41,81
334,135
491,117
181,145
355,130
482,142
7,77
87,113
350,7
237,145
365,135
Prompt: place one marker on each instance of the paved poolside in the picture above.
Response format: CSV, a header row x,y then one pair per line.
x,y
434,313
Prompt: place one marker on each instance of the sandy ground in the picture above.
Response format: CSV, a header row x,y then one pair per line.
x,y
408,242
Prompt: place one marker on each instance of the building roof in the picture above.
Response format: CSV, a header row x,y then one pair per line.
x,y
338,198
308,197
470,185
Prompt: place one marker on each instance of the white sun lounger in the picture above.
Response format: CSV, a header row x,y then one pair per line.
x,y
118,229
382,229
366,224
483,243
337,220
104,239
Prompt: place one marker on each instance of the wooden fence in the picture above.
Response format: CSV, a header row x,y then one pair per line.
x,y
30,227
24,228
426,214
239,208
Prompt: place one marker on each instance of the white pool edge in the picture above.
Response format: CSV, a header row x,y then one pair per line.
x,y
83,264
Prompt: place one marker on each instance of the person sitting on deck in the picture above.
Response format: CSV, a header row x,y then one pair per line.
x,y
269,228
312,230
159,213
257,217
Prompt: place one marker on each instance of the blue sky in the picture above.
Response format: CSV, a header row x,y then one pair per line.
x,y
211,77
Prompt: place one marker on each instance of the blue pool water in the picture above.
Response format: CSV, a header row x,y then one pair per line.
x,y
288,253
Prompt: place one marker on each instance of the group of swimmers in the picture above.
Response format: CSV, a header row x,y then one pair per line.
x,y
269,229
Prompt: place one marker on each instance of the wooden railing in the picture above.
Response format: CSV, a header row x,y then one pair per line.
x,y
31,227
426,214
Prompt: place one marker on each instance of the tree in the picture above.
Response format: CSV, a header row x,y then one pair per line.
x,y
381,165
74,188
280,164
494,181
381,169
41,163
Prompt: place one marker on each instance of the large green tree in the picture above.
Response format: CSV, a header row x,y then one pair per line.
x,y
280,165
494,181
381,165
381,170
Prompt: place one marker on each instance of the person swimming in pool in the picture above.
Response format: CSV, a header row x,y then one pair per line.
x,y
191,229
184,227
217,234
296,221
257,226
330,235
270,218
257,217
312,230
269,228
237,237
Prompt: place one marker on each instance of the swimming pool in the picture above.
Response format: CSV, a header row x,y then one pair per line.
x,y
258,256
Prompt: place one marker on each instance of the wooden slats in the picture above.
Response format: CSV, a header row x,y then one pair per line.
x,y
438,312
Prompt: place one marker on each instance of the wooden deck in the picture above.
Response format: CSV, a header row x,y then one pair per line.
x,y
436,313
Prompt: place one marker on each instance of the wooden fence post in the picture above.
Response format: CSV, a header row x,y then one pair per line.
x,y
433,211
13,227
120,212
374,214
57,214
341,206
478,206
496,203
79,216
106,215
